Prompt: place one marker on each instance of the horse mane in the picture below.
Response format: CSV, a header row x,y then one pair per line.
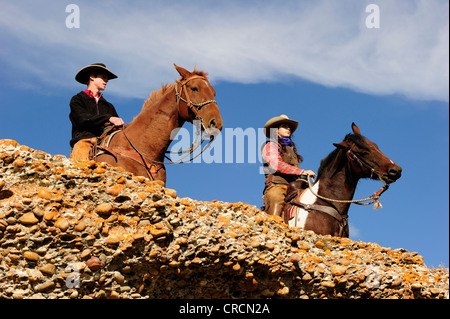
x,y
156,95
358,139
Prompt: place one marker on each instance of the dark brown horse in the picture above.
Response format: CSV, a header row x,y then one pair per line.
x,y
141,145
323,207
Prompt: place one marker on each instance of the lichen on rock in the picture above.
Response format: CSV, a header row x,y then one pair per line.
x,y
89,230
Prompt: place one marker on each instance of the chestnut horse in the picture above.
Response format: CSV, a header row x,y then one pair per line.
x,y
323,206
141,145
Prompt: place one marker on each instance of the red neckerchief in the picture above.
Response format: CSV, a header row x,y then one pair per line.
x,y
91,94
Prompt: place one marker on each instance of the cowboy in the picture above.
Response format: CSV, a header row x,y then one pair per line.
x,y
90,113
281,162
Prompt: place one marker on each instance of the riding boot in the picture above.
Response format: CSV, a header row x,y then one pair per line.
x,y
81,149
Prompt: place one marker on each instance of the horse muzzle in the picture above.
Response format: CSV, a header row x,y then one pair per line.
x,y
213,127
392,175
216,124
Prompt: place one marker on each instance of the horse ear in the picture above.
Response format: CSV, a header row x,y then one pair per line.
x,y
342,145
356,129
183,72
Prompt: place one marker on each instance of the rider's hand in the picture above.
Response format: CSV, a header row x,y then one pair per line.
x,y
309,172
116,121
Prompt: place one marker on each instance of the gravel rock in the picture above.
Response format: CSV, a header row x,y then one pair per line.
x,y
88,230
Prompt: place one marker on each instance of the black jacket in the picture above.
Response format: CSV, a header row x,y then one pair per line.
x,y
89,117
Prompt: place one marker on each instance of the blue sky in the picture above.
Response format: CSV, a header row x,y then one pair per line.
x,y
315,61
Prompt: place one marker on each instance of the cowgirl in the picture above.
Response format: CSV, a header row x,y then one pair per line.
x,y
281,162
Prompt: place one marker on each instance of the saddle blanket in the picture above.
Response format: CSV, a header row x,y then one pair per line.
x,y
291,212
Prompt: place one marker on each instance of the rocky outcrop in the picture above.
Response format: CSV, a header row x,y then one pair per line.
x,y
93,231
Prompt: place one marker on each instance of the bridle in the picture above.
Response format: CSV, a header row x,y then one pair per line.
x,y
332,210
152,166
194,107
353,157
371,199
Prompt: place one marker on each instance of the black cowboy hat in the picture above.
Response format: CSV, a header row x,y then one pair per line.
x,y
96,68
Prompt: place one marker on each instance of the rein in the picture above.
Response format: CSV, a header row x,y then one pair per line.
x,y
179,161
374,199
332,211
353,157
191,105
145,160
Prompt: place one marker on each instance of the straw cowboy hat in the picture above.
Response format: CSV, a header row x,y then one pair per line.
x,y
275,122
96,68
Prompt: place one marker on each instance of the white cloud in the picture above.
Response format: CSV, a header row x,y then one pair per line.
x,y
326,42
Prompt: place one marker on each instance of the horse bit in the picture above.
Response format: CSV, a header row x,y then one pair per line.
x,y
374,198
195,108
353,157
333,211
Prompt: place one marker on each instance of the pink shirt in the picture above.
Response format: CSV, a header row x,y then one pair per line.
x,y
272,155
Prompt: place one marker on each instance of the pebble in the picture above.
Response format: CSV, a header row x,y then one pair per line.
x,y
62,224
29,255
337,270
85,253
94,263
283,291
104,209
115,190
28,219
170,192
88,230
48,269
49,215
118,277
45,194
45,286
20,294
19,162
328,284
80,226
112,240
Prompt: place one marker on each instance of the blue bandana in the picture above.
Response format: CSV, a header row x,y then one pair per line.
x,y
285,140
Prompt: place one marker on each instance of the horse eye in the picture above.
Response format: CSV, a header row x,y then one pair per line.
x,y
194,89
363,152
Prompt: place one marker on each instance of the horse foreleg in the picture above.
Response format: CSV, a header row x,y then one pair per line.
x,y
299,216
